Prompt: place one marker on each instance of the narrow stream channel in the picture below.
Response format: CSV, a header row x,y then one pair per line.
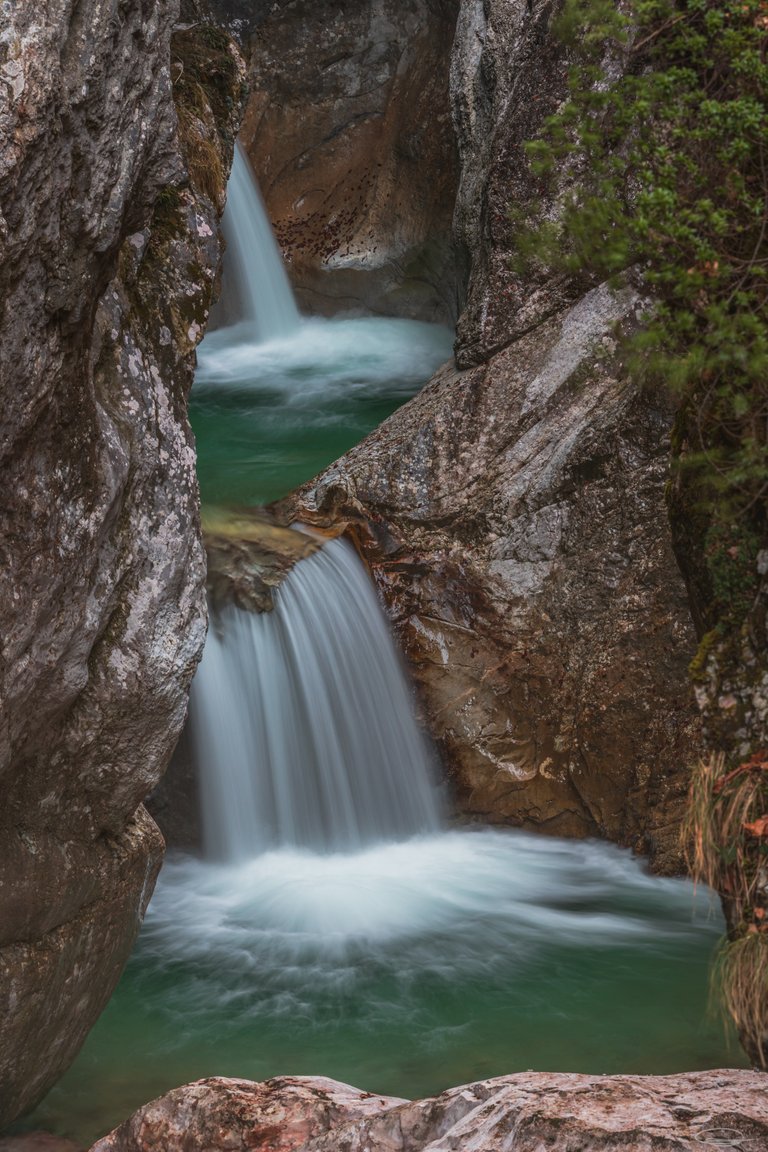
x,y
340,926
278,396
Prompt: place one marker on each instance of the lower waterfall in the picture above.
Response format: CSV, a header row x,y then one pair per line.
x,y
302,722
339,928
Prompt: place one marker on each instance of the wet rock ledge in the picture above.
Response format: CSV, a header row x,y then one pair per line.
x,y
526,1112
249,556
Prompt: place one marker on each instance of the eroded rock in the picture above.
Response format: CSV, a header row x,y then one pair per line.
x,y
526,1112
513,513
249,555
109,255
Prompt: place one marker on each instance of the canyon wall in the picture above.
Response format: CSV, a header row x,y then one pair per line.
x,y
109,254
513,513
348,127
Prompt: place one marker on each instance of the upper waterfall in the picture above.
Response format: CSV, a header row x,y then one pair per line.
x,y
303,727
254,270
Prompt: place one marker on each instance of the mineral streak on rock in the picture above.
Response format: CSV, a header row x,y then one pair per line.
x,y
108,260
525,1112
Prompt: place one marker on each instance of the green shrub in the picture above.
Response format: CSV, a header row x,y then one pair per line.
x,y
659,159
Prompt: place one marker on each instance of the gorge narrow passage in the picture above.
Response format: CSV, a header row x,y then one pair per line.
x,y
278,396
338,925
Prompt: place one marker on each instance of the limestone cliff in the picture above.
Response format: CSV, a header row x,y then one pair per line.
x,y
108,255
513,513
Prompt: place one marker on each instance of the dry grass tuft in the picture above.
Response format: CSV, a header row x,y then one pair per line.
x,y
740,977
726,844
725,833
699,843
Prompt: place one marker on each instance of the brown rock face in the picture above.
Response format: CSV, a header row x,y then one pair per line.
x,y
106,271
513,513
513,518
349,130
527,1112
249,556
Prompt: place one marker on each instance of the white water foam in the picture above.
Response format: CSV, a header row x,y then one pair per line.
x,y
289,929
325,360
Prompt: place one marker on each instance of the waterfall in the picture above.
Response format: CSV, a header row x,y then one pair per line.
x,y
303,725
254,271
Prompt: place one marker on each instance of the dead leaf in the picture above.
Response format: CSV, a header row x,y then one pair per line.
x,y
758,827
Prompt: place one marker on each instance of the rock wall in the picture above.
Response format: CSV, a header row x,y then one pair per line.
x,y
513,513
527,1112
108,256
348,127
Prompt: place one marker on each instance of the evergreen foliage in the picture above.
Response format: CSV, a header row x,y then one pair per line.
x,y
660,156
658,165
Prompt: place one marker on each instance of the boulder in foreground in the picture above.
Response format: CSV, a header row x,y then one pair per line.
x,y
525,1112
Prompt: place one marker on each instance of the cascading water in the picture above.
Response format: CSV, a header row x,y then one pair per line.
x,y
255,277
336,929
301,716
277,395
302,720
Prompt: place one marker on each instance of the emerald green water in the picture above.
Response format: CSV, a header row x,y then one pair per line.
x,y
250,454
409,967
403,970
268,417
